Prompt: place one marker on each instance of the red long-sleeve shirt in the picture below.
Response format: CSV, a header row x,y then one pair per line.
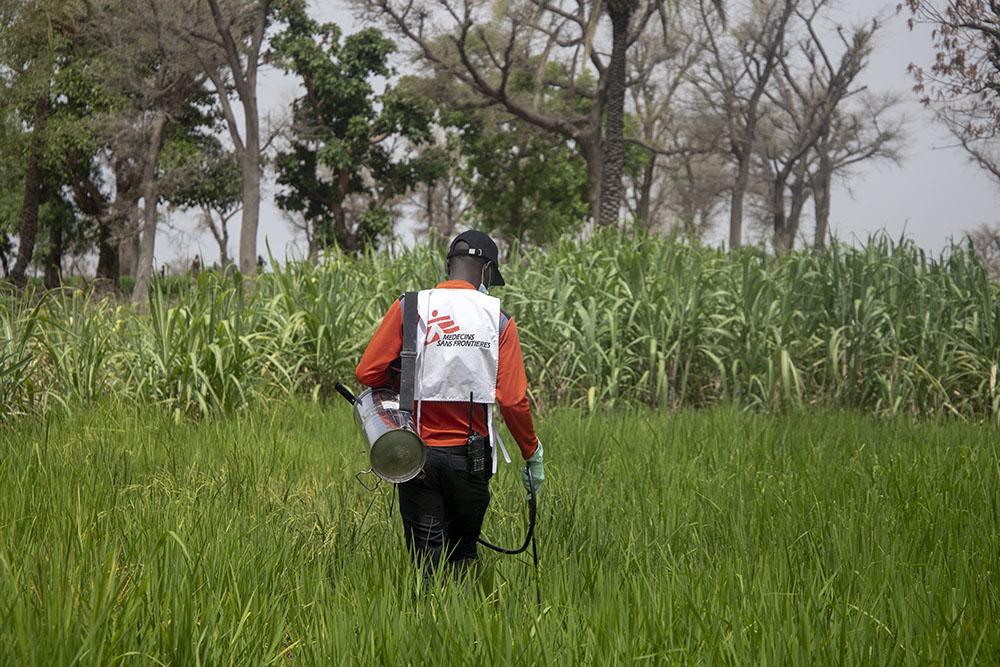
x,y
444,423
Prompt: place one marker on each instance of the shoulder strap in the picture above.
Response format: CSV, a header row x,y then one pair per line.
x,y
408,355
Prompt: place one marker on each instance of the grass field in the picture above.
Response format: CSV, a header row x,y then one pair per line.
x,y
127,536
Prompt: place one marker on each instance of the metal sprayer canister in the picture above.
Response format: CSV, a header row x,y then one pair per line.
x,y
395,449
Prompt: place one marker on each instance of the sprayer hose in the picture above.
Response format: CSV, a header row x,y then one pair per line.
x,y
532,511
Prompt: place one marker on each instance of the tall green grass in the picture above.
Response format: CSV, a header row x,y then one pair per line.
x,y
606,322
128,537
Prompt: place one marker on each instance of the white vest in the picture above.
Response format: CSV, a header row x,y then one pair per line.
x,y
458,350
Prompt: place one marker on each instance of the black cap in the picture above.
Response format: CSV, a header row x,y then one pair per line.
x,y
480,245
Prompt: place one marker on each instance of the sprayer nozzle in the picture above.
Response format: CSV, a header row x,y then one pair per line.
x,y
345,392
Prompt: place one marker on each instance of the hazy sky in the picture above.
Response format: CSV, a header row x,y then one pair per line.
x,y
934,195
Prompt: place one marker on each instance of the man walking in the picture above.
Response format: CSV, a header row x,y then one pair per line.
x,y
468,358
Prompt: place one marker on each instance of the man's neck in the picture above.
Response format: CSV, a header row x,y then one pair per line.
x,y
472,280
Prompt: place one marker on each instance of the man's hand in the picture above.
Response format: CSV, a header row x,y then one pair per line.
x,y
537,467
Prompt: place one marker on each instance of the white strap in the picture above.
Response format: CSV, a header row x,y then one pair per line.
x,y
495,437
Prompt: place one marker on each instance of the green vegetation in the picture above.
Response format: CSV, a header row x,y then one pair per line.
x,y
793,533
718,536
604,323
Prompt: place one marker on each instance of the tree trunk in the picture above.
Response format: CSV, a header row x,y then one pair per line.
x,y
432,228
786,224
778,221
34,178
108,265
140,293
220,233
250,171
800,193
821,193
736,202
643,210
594,158
743,150
313,246
128,253
224,259
689,209
614,128
128,237
53,260
342,234
453,209
4,247
243,63
126,258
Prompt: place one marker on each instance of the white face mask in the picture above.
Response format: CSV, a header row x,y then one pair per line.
x,y
482,281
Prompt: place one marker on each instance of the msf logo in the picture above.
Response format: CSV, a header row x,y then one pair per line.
x,y
438,327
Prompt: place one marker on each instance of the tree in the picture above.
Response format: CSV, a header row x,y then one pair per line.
x,y
105,187
781,88
441,203
675,175
986,242
521,184
492,169
872,130
11,180
232,33
346,141
210,185
733,81
613,150
802,105
508,56
963,83
963,87
61,229
34,32
202,174
146,63
695,184
99,136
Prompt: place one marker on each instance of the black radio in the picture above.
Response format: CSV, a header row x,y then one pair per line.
x,y
478,447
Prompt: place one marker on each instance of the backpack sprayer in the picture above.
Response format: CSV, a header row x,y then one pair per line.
x,y
396,452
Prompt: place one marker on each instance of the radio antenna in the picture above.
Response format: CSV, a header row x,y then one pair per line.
x,y
471,405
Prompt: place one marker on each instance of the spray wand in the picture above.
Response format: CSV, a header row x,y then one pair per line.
x,y
529,538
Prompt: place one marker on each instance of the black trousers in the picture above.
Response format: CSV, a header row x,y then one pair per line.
x,y
443,509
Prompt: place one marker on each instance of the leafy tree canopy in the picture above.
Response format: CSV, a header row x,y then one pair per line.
x,y
347,139
524,185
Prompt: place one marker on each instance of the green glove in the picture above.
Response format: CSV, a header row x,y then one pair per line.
x,y
537,470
